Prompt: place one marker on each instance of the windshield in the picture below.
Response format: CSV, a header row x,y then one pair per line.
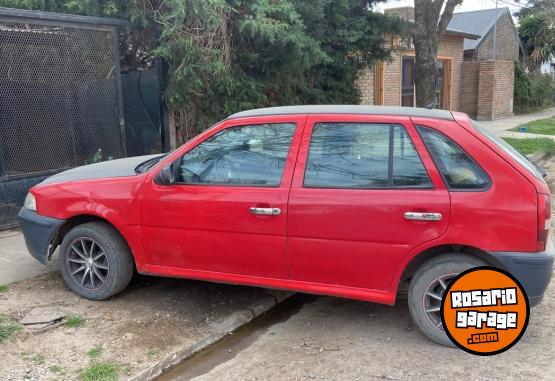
x,y
145,166
520,158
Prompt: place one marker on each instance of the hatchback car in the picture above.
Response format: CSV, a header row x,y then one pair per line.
x,y
350,201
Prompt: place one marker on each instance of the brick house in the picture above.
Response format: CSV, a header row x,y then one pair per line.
x,y
475,77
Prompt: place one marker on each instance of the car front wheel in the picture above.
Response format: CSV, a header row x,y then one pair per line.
x,y
95,261
427,288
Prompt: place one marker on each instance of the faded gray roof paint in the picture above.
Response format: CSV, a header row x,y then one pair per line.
x,y
346,109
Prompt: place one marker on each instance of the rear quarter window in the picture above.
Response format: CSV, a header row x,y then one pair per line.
x,y
512,152
458,169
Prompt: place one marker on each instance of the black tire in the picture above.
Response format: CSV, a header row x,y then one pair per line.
x,y
428,273
115,266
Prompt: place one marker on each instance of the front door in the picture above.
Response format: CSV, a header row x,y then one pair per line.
x,y
364,193
227,212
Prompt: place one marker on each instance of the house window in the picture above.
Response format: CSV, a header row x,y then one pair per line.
x,y
442,85
407,82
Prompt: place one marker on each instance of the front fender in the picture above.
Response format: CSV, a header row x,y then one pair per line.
x,y
117,201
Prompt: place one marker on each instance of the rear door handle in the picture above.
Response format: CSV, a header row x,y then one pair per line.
x,y
418,216
265,211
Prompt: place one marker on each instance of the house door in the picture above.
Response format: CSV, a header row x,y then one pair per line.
x,y
442,85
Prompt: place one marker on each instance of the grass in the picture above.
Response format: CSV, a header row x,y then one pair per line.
x,y
8,328
37,359
56,369
533,145
75,321
127,370
152,354
3,288
101,371
541,126
95,352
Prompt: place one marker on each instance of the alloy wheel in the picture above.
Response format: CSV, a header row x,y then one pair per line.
x,y
431,300
87,263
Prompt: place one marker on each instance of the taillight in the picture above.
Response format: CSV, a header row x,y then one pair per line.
x,y
544,220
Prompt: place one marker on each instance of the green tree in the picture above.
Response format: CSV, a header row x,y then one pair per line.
x,y
537,33
536,6
229,55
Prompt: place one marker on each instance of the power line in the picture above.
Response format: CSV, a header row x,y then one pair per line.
x,y
512,4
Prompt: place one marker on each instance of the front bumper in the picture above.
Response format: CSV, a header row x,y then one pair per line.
x,y
533,270
39,231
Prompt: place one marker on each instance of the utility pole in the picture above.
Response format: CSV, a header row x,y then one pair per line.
x,y
495,30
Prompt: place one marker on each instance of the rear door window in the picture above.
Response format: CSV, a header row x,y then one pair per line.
x,y
363,156
457,168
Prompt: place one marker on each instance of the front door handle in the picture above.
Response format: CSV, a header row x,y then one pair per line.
x,y
418,216
265,211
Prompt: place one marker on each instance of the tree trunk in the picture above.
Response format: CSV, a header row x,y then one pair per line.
x,y
425,75
430,24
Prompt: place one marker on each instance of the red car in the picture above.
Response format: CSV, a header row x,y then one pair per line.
x,y
351,201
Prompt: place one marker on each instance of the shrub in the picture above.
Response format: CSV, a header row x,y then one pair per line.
x,y
531,91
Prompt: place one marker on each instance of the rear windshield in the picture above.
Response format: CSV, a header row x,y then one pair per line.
x,y
521,159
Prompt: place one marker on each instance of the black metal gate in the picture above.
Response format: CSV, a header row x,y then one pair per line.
x,y
60,98
145,115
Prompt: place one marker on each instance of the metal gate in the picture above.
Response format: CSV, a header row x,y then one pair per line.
x,y
147,129
60,98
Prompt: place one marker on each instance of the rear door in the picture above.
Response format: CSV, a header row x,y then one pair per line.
x,y
365,192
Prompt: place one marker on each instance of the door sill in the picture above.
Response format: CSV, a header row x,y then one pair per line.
x,y
375,296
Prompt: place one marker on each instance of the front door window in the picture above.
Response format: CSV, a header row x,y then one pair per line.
x,y
244,155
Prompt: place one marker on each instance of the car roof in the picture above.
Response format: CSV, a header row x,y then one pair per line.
x,y
346,109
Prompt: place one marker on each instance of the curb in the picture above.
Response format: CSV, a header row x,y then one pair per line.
x,y
222,328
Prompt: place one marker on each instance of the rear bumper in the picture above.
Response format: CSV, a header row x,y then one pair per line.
x,y
533,270
38,232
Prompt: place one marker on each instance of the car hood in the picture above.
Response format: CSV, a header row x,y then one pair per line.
x,y
105,169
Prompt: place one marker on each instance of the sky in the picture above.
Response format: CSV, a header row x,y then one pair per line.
x,y
467,5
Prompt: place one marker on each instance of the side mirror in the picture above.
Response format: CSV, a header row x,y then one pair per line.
x,y
166,176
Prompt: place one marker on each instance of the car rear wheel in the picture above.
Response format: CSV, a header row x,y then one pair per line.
x,y
95,261
427,288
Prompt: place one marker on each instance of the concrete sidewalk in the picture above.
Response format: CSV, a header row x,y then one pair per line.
x,y
15,261
501,126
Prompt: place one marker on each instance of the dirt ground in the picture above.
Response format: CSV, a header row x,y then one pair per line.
x,y
336,339
134,329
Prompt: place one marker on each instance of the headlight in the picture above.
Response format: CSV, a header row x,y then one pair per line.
x,y
30,202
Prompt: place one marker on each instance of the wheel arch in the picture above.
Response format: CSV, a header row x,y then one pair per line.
x,y
80,220
419,259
